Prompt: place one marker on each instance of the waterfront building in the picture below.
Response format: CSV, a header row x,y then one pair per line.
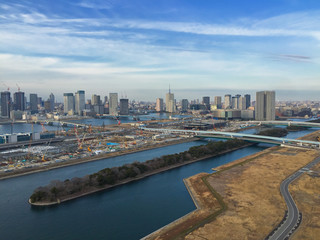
x,y
248,100
33,103
79,102
184,105
217,102
5,104
170,103
68,103
265,106
51,99
159,105
18,100
227,101
124,106
113,104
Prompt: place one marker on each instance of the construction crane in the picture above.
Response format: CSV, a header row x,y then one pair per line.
x,y
43,155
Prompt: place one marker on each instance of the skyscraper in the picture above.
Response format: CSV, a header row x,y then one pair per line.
x,y
79,102
227,101
184,105
113,104
265,106
124,106
68,102
248,100
33,103
206,101
5,104
159,105
95,99
170,103
51,99
18,99
242,103
217,102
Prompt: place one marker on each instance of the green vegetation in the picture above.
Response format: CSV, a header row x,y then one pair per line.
x,y
296,128
110,176
274,132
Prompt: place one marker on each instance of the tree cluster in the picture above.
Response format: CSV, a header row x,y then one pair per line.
x,y
110,176
274,132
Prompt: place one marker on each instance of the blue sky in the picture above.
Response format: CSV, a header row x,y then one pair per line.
x,y
138,47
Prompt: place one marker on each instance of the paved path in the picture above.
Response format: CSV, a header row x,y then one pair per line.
x,y
294,217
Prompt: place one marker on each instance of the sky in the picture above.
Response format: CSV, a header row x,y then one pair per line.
x,y
139,47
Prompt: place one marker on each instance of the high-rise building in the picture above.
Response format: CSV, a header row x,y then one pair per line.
x,y
227,101
184,105
170,103
80,102
18,100
159,105
51,99
33,103
124,106
5,104
95,99
47,105
265,106
217,102
248,100
68,102
242,103
113,104
206,100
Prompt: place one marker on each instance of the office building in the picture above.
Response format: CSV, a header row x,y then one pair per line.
x,y
265,106
113,104
217,102
33,103
242,103
170,103
227,101
248,100
79,102
159,105
51,99
206,102
47,106
18,100
124,106
68,103
5,104
95,99
184,105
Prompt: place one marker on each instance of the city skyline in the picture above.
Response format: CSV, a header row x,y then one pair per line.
x,y
131,47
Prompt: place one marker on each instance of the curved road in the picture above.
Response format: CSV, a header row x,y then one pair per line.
x,y
291,222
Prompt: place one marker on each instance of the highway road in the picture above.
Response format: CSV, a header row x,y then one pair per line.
x,y
293,218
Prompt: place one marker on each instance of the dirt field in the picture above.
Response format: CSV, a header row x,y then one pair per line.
x,y
306,193
250,189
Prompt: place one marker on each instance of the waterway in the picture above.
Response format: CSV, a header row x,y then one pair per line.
x,y
130,211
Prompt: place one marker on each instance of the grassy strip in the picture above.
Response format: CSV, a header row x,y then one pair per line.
x,y
223,205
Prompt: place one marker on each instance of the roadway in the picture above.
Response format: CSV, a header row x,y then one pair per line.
x,y
242,136
285,123
291,223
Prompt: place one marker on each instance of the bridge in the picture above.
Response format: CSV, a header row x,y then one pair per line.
x,y
241,136
285,123
62,123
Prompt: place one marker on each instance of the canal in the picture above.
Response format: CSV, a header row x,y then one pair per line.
x,y
130,211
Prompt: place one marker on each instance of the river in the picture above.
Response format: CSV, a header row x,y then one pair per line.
x,y
130,211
